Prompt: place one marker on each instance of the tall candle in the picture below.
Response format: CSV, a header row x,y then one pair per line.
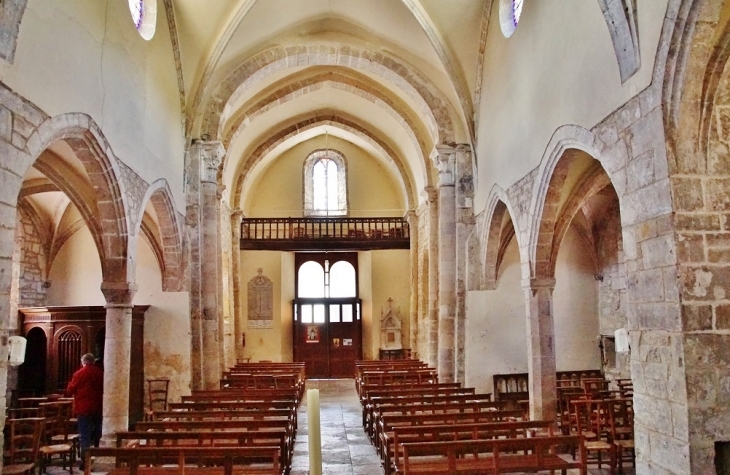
x,y
315,437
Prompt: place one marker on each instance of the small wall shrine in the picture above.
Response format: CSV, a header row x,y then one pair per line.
x,y
391,337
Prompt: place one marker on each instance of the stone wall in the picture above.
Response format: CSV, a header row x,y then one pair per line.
x,y
32,292
612,299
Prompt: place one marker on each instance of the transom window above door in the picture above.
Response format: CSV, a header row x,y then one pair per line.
x,y
325,184
320,280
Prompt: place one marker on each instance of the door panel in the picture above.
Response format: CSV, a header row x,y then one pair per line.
x,y
329,347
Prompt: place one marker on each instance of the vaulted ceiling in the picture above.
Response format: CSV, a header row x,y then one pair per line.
x,y
394,77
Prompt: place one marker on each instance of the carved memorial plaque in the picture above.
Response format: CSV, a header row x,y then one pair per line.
x,y
260,302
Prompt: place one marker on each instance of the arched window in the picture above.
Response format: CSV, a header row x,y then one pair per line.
x,y
509,16
325,184
144,16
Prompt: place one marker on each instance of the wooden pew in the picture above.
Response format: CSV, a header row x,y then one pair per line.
x,y
399,376
238,394
492,456
269,424
421,404
422,390
202,460
276,438
436,433
386,423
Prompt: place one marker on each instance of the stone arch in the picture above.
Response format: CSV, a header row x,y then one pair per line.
x,y
87,141
493,238
545,198
336,81
319,119
170,247
432,105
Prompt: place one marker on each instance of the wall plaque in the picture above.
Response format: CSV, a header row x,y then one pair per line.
x,y
260,302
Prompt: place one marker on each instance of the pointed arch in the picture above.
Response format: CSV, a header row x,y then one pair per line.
x,y
90,146
170,247
431,104
319,118
494,237
546,192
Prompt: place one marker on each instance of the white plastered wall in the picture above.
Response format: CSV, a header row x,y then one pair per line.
x,y
575,306
75,274
86,56
543,81
166,325
499,315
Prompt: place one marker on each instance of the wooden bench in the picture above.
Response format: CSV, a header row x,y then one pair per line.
x,y
387,423
237,438
423,390
222,426
438,433
191,460
490,456
236,394
426,406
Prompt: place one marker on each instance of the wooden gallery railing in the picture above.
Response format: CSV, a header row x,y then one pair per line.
x,y
295,234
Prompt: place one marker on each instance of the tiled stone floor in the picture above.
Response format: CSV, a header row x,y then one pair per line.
x,y
346,449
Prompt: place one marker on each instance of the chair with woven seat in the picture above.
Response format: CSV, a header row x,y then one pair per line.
x,y
24,441
590,420
57,441
621,419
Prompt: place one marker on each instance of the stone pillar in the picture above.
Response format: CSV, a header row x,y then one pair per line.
x,y
211,159
203,194
236,216
541,349
433,272
117,350
444,158
413,326
464,226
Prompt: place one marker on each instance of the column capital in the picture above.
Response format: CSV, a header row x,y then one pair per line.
x,y
430,193
237,213
539,283
118,294
211,157
411,217
444,159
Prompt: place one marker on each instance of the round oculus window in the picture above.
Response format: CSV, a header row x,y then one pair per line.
x,y
509,15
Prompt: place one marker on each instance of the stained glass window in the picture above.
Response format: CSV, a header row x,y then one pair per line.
x,y
509,15
144,16
136,8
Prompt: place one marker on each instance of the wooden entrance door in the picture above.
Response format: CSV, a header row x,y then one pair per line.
x,y
328,336
327,317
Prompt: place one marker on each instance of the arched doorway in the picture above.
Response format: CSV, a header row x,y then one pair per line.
x,y
32,373
327,314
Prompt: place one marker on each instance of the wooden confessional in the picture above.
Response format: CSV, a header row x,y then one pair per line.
x,y
58,336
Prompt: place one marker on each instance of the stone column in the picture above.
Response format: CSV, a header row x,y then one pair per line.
x,y
464,226
433,272
444,158
413,327
117,350
236,216
541,349
211,158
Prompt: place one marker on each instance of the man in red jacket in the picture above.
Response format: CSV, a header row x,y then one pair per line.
x,y
87,388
